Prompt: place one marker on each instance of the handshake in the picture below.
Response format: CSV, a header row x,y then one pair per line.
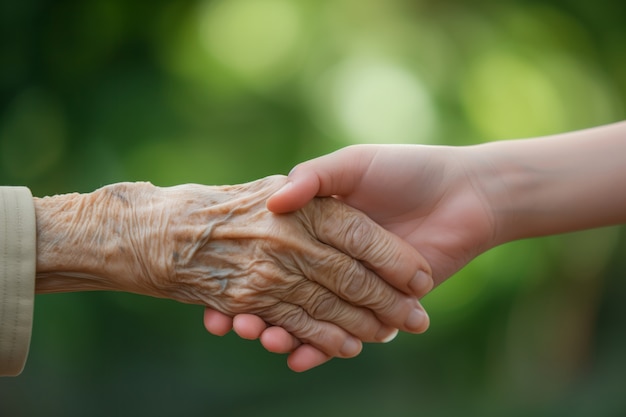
x,y
338,253
326,277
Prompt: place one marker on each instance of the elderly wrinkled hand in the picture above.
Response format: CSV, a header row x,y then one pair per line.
x,y
220,247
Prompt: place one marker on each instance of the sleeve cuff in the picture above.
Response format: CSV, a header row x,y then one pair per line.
x,y
17,276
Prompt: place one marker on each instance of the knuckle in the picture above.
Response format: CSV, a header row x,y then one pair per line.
x,y
356,231
361,238
379,250
288,316
323,305
305,327
327,338
285,315
341,266
354,287
384,303
346,225
353,281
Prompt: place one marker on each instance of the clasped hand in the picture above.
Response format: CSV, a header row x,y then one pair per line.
x,y
315,272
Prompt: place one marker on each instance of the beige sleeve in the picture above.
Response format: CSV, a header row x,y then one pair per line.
x,y
17,276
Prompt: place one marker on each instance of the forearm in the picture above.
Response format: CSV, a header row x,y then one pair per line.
x,y
558,184
83,242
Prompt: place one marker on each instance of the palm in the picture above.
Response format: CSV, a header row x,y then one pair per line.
x,y
432,206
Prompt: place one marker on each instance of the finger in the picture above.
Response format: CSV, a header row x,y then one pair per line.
x,y
348,291
306,357
278,340
321,304
302,358
293,195
217,323
248,326
337,173
327,337
355,234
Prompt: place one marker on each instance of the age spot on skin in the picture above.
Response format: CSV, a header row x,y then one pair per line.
x,y
120,197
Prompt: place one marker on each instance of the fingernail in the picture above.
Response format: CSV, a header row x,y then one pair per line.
x,y
386,335
421,283
416,320
350,348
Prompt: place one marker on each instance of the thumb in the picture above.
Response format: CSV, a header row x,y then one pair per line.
x,y
335,174
296,193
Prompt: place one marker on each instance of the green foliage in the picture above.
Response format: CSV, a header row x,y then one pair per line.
x,y
227,91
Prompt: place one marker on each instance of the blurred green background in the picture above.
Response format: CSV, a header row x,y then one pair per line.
x,y
227,91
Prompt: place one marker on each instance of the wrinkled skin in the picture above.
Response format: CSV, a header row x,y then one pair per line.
x,y
220,247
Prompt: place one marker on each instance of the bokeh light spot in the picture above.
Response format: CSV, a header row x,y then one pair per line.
x,y
377,101
506,96
251,37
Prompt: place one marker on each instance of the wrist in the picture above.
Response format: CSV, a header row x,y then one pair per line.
x,y
557,184
507,184
82,241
